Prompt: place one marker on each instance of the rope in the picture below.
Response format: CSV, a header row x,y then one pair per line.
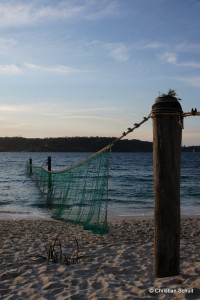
x,y
79,193
129,130
192,113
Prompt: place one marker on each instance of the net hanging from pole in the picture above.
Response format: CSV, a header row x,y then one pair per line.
x,y
77,193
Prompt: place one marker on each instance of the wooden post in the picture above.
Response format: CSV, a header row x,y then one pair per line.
x,y
49,195
49,163
30,163
167,134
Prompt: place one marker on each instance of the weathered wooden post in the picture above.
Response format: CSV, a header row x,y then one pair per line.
x,y
167,134
49,163
49,195
30,165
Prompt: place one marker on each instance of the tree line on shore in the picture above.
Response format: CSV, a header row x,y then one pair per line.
x,y
77,144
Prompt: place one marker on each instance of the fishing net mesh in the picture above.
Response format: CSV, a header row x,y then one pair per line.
x,y
77,193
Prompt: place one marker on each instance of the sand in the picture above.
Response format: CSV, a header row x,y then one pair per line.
x,y
117,265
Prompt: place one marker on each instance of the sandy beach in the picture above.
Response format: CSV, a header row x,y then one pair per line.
x,y
117,265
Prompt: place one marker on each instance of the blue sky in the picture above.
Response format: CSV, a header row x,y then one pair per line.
x,y
94,68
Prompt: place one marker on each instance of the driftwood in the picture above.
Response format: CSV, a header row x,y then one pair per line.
x,y
54,253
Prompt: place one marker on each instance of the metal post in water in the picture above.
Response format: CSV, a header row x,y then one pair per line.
x,y
167,135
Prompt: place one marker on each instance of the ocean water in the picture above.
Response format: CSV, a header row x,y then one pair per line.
x,y
130,183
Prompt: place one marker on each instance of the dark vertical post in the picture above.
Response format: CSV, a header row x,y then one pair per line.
x,y
49,195
30,164
167,134
49,163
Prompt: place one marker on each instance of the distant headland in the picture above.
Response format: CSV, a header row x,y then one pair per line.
x,y
77,144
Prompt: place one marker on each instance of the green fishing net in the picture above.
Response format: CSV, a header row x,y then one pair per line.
x,y
77,193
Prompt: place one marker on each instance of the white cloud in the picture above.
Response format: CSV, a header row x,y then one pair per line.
x,y
100,9
54,110
11,69
188,47
15,13
189,64
192,81
169,57
118,51
59,69
152,45
28,12
90,117
67,112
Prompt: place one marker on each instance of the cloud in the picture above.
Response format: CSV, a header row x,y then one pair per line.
x,y
152,45
188,47
56,110
11,108
118,51
169,57
90,117
192,81
73,112
11,69
189,64
59,69
17,13
100,9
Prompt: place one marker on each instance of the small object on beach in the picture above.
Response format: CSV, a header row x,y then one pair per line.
x,y
54,253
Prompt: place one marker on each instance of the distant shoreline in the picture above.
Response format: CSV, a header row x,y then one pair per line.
x,y
77,144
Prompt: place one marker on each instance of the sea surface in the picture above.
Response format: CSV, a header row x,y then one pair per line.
x,y
130,183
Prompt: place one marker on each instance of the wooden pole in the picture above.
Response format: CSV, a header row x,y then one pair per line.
x,y
49,163
49,195
167,134
30,163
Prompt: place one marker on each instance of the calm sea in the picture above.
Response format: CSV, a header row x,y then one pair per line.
x,y
130,183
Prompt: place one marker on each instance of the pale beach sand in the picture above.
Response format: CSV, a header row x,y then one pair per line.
x,y
117,265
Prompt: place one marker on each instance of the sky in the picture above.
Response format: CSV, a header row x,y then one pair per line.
x,y
94,68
